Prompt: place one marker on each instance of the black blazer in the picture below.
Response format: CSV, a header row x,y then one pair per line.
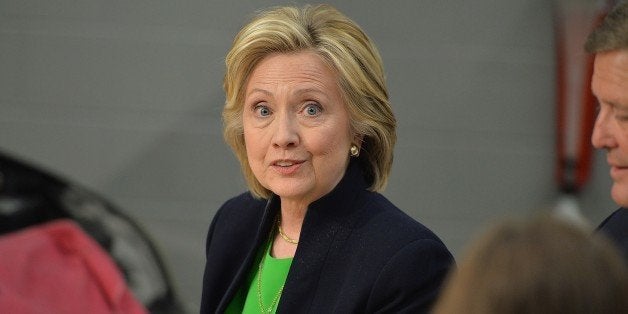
x,y
357,253
616,228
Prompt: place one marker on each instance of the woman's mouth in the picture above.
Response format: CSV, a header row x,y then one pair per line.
x,y
287,167
285,163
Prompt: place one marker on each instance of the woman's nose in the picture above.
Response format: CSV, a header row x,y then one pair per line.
x,y
286,131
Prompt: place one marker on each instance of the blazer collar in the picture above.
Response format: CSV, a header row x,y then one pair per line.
x,y
335,203
325,222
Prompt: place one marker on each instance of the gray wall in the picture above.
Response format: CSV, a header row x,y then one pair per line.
x,y
125,98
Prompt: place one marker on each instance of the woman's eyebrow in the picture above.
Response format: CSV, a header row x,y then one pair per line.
x,y
258,90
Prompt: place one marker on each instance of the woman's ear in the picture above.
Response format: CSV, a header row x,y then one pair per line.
x,y
357,140
356,146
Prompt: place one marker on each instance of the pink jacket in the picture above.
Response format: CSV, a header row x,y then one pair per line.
x,y
57,268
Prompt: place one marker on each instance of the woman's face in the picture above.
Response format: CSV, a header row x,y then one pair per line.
x,y
296,126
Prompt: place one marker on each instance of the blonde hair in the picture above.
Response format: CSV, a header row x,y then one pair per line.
x,y
346,49
539,266
612,34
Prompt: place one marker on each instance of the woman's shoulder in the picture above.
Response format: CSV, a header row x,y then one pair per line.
x,y
245,199
241,207
238,216
395,243
382,215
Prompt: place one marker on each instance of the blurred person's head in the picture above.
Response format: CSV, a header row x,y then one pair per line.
x,y
543,265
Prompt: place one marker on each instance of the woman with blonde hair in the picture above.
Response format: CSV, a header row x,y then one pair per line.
x,y
308,116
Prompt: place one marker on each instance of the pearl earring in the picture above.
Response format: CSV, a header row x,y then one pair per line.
x,y
354,151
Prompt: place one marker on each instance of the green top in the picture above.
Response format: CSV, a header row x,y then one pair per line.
x,y
274,272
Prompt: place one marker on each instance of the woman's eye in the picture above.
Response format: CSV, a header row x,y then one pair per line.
x,y
312,110
262,111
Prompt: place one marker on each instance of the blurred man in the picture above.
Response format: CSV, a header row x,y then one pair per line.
x,y
609,43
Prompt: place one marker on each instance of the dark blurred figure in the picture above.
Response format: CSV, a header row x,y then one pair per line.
x,y
35,204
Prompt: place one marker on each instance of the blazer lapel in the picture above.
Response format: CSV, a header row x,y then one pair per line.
x,y
325,226
308,262
263,230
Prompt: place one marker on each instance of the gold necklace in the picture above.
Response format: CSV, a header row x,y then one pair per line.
x,y
285,236
259,289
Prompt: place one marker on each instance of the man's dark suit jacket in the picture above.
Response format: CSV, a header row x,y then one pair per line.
x,y
357,253
616,227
